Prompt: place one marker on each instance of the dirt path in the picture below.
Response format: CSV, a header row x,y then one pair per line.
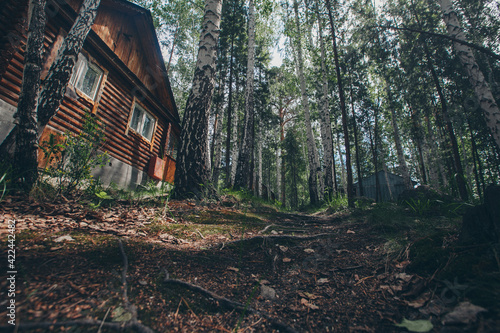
x,y
282,271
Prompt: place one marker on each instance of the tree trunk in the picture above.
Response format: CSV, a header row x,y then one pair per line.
x,y
475,161
313,158
229,117
349,190
234,135
457,163
476,77
243,169
25,156
216,151
192,171
60,72
399,147
356,143
325,120
417,138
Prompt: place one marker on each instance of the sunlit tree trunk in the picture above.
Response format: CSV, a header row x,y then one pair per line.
x,y
325,120
229,116
476,77
313,158
243,168
193,165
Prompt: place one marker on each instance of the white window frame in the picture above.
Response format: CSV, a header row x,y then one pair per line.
x,y
139,127
80,70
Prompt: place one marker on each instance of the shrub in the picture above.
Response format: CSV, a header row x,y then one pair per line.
x,y
70,162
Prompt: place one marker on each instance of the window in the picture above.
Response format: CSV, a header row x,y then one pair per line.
x,y
86,77
172,145
142,122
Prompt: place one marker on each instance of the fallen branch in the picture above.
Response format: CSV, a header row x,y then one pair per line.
x,y
229,304
278,237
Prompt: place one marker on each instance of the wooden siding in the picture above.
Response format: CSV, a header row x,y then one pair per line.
x,y
12,26
114,105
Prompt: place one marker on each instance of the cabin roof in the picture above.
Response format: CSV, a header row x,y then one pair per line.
x,y
138,19
144,22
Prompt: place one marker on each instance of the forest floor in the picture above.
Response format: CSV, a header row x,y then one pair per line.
x,y
226,267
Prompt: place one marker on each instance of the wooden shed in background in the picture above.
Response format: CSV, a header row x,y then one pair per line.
x,y
120,76
391,186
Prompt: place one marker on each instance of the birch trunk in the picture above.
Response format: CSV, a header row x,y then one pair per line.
x,y
399,150
235,145
313,158
60,71
243,168
192,171
25,153
258,180
62,68
476,77
325,120
229,118
217,144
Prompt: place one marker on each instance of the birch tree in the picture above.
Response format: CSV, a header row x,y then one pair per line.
x,y
325,118
243,169
55,84
313,158
193,162
349,189
476,77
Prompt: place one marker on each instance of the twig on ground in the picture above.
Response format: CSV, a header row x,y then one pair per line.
x,y
133,323
266,228
229,304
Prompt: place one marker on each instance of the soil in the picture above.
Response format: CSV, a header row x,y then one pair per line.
x,y
256,270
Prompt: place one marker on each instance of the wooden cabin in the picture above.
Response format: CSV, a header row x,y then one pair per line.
x,y
391,186
120,76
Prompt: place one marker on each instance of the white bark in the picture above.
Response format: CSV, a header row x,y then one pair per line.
x,y
313,158
403,168
326,122
193,161
243,168
476,77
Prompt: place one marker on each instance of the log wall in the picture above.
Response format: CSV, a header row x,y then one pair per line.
x,y
114,106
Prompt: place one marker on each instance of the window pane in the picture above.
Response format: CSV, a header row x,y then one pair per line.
x,y
90,81
147,129
136,119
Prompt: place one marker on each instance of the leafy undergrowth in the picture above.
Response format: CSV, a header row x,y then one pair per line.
x,y
364,270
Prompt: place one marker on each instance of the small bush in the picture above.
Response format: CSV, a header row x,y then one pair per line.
x,y
70,162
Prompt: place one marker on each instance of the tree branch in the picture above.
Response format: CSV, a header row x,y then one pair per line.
x,y
229,304
479,48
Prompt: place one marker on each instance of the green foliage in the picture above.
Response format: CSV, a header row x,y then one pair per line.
x,y
337,202
419,206
69,164
416,325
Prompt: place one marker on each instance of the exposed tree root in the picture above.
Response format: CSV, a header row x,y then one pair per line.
x,y
278,237
229,304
